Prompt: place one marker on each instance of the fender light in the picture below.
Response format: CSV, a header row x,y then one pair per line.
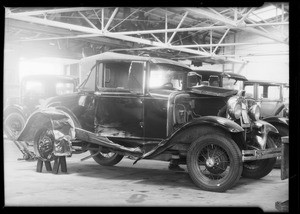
x,y
254,112
234,108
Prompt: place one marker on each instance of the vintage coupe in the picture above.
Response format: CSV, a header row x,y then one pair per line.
x,y
34,89
142,108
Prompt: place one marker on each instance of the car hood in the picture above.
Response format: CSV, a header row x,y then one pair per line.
x,y
200,90
213,91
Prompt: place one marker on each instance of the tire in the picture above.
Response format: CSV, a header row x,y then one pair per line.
x,y
226,154
107,159
259,168
44,144
14,123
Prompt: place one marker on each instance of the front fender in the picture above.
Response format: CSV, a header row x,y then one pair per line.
x,y
263,129
54,119
221,122
180,135
277,120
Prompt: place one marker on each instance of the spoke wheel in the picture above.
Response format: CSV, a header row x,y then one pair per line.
x,y
44,144
214,163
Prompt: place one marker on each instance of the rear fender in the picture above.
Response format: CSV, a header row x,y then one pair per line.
x,y
53,119
193,130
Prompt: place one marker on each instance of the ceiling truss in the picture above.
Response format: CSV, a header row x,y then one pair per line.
x,y
178,32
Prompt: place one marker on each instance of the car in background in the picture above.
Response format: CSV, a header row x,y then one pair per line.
x,y
33,90
228,80
273,100
272,96
143,108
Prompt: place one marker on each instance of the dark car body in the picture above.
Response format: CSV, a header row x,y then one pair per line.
x,y
143,108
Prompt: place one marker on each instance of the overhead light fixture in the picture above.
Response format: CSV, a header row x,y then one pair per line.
x,y
265,13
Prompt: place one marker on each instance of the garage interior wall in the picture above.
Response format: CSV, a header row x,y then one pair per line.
x,y
265,61
11,75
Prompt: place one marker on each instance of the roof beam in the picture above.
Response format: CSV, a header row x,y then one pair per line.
x,y
221,40
101,33
178,26
62,10
111,19
245,16
87,20
197,28
213,16
232,24
224,45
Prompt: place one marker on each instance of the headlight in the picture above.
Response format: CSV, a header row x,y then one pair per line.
x,y
234,108
254,112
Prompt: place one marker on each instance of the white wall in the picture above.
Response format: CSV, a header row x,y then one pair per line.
x,y
270,61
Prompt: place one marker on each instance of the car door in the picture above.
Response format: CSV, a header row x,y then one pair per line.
x,y
119,100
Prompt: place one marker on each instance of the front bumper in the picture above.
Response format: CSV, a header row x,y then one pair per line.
x,y
251,155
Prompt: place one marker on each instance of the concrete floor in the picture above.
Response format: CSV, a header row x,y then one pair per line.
x,y
147,183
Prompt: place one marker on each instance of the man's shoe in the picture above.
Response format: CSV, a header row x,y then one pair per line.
x,y
177,168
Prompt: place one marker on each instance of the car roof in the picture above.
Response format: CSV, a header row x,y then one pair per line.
x,y
227,74
48,77
264,82
112,56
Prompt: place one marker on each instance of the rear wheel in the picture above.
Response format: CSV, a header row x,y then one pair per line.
x,y
214,162
107,158
259,168
14,124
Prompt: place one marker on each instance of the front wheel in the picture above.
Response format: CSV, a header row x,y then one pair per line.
x,y
107,158
259,168
214,162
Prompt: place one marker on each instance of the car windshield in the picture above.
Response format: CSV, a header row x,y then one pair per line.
x,y
167,76
34,88
231,83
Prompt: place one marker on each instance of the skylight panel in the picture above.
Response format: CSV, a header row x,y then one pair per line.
x,y
265,13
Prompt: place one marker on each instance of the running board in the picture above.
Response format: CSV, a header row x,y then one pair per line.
x,y
103,141
250,155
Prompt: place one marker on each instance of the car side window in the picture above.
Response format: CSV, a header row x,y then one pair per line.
x,y
124,76
269,92
90,82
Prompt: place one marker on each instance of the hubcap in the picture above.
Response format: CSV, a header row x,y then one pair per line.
x,y
210,162
214,162
45,146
